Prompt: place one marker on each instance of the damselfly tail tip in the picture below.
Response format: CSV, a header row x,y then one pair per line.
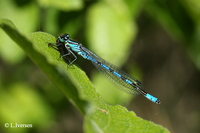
x,y
158,101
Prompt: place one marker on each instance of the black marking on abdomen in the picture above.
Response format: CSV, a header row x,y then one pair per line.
x,y
112,71
99,63
124,79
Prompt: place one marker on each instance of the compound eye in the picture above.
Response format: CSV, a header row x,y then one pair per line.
x,y
66,36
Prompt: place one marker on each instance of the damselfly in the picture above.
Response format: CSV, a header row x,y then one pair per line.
x,y
122,80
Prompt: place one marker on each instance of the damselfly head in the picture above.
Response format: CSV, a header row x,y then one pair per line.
x,y
65,37
62,38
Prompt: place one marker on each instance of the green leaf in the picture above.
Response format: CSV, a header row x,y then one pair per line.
x,y
99,116
65,5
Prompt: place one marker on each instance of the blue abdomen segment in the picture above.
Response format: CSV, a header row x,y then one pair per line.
x,y
152,98
117,74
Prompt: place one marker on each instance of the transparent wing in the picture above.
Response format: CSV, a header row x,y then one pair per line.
x,y
118,82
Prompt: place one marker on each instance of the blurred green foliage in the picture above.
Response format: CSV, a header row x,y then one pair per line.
x,y
108,28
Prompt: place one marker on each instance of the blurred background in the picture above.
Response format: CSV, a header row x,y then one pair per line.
x,y
158,42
